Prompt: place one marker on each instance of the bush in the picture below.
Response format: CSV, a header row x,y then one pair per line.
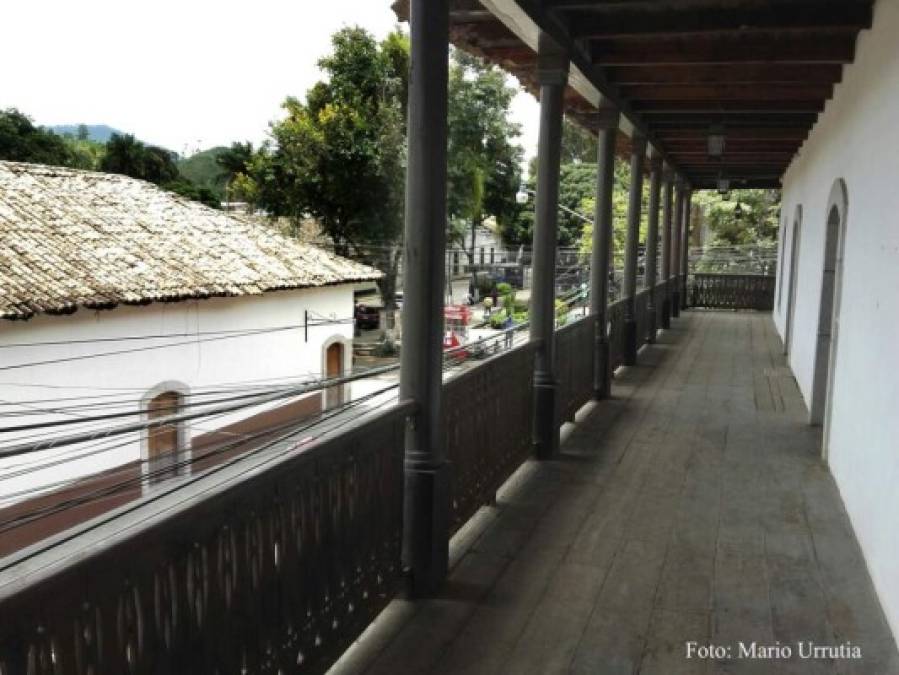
x,y
503,288
386,348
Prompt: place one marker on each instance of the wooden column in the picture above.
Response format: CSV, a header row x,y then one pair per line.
x,y
652,246
426,508
552,67
685,249
675,249
638,154
667,209
601,258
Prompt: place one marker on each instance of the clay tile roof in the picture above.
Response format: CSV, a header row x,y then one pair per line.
x,y
71,238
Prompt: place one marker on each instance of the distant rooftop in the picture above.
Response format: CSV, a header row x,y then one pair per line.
x,y
71,239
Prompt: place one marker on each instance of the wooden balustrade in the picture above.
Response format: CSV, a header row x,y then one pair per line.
x,y
731,291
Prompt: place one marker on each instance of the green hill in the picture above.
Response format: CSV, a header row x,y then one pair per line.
x,y
98,133
202,170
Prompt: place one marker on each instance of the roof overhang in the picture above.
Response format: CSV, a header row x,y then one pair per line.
x,y
757,71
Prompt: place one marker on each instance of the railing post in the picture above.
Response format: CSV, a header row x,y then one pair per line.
x,y
667,207
652,246
426,501
685,263
552,73
601,258
676,236
631,250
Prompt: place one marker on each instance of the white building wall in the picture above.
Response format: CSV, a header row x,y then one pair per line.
x,y
195,363
857,139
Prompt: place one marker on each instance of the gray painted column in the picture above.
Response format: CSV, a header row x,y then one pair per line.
x,y
638,154
675,249
685,249
552,70
601,258
652,245
667,208
426,508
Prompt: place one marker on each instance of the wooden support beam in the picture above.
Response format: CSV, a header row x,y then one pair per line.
x,y
623,21
741,134
727,92
835,47
733,121
727,107
731,74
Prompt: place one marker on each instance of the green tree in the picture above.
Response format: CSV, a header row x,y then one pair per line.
x,y
757,223
620,201
483,162
21,141
578,145
129,156
234,161
340,155
83,133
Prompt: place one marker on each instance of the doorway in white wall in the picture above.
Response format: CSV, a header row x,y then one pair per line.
x,y
794,280
334,367
829,310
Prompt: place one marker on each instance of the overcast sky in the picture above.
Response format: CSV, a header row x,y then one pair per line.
x,y
188,74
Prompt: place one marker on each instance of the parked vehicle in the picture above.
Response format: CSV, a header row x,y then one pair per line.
x,y
367,316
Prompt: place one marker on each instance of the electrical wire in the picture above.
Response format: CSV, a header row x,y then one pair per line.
x,y
109,491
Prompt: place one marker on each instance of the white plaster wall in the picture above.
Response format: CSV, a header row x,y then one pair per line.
x,y
197,362
857,139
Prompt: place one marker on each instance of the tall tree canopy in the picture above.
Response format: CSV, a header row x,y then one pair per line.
x,y
131,157
340,155
21,141
484,163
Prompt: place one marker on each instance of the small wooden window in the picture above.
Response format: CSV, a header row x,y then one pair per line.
x,y
163,440
334,368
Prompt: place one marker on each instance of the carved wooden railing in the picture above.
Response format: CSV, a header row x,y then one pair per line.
x,y
575,347
273,570
487,421
659,292
616,334
641,310
731,291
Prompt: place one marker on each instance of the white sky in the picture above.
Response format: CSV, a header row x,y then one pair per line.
x,y
186,75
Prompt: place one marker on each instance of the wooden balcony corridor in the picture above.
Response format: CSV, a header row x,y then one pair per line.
x,y
691,506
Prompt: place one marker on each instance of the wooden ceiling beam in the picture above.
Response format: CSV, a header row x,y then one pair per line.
x,y
624,21
725,92
725,108
742,134
802,48
732,74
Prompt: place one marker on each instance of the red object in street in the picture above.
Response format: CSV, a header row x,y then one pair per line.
x,y
455,325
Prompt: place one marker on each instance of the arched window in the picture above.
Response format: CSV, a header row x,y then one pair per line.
x,y
829,308
334,367
165,444
793,280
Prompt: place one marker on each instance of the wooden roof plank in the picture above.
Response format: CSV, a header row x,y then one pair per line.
x,y
624,20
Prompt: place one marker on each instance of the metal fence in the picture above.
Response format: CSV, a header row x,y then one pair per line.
x,y
731,291
276,570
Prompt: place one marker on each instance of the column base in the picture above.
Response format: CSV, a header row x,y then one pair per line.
x,y
630,342
546,425
426,528
650,336
666,314
675,304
